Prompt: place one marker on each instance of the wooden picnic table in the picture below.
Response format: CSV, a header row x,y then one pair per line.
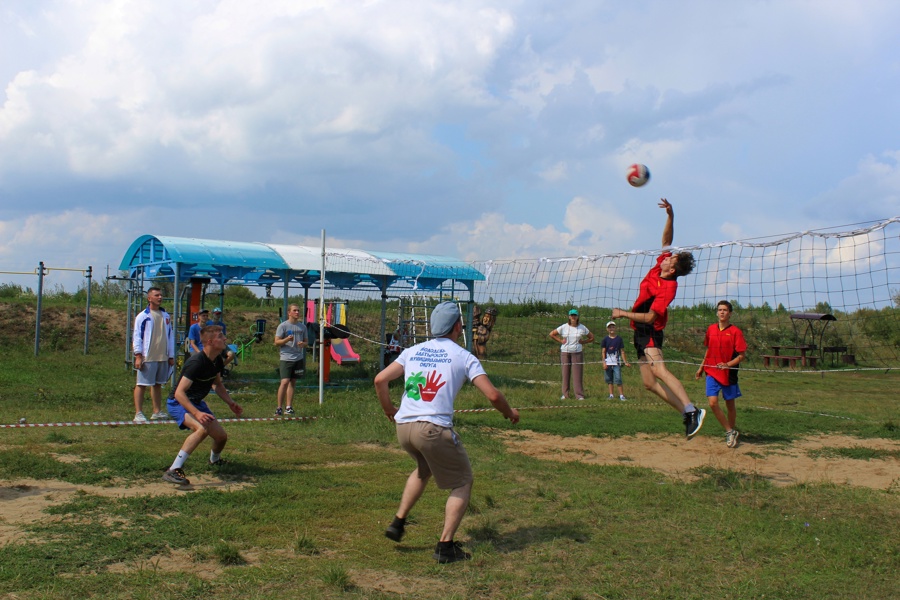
x,y
791,359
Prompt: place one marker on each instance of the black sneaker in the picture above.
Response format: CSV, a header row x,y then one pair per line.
x,y
693,421
218,463
278,412
289,410
448,552
395,532
176,476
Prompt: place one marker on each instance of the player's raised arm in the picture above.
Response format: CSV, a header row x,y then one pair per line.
x,y
668,233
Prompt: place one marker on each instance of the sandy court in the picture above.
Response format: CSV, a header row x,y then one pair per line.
x,y
676,457
25,501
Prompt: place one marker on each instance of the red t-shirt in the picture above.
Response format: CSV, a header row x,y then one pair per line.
x,y
655,294
724,345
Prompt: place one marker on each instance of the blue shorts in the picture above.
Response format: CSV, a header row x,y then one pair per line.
x,y
177,412
613,374
729,392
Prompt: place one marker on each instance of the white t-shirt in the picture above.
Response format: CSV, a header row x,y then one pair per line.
x,y
573,336
433,373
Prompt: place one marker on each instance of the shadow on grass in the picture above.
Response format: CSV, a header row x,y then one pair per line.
x,y
523,537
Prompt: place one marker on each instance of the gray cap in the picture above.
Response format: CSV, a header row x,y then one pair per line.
x,y
217,310
444,316
613,323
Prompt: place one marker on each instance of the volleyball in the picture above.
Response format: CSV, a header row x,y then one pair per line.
x,y
638,174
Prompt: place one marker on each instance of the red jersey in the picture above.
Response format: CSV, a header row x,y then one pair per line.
x,y
724,345
655,294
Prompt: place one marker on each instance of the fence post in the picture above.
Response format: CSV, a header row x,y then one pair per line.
x,y
87,311
37,320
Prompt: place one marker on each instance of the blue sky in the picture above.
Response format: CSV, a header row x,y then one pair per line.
x,y
477,129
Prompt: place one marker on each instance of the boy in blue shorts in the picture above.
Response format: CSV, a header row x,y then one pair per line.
x,y
725,348
187,404
613,353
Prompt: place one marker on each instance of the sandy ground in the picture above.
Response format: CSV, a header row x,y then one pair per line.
x,y
677,457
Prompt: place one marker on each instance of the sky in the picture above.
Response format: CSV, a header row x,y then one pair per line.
x,y
479,129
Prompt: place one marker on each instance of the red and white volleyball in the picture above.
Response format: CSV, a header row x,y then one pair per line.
x,y
638,174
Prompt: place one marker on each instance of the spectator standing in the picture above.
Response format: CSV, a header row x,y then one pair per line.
x,y
572,336
290,337
613,353
153,344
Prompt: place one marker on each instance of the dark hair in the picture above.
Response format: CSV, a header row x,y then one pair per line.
x,y
209,330
725,303
153,289
684,263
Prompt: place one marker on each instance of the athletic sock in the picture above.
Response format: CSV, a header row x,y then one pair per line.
x,y
689,407
214,456
180,459
398,522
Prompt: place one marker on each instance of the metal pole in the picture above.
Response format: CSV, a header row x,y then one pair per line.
x,y
176,301
383,337
37,321
322,326
87,311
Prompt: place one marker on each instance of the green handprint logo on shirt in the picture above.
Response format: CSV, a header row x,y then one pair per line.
x,y
412,385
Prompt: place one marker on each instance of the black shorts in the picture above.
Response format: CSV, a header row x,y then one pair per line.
x,y
292,369
647,338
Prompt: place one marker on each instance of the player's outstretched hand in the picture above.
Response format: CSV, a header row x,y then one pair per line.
x,y
663,203
237,409
514,417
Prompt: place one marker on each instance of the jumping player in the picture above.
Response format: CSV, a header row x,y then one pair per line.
x,y
648,319
187,406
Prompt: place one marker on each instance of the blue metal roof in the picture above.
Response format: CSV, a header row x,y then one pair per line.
x,y
252,262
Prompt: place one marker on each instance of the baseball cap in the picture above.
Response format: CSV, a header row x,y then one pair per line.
x,y
444,316
203,311
573,312
217,310
613,323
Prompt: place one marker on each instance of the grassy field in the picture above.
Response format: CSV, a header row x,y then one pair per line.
x,y
306,502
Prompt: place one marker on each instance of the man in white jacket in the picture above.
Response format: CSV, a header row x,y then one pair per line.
x,y
154,355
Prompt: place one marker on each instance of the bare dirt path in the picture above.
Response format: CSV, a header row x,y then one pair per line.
x,y
676,457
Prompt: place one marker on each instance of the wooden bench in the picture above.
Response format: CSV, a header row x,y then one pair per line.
x,y
782,360
835,351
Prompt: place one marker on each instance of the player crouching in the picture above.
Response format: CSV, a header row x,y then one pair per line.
x,y
187,404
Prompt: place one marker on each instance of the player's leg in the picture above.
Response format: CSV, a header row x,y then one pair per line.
x,y
667,386
455,511
652,384
732,413
199,432
412,491
717,410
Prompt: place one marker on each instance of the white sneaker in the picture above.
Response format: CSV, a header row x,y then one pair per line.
x,y
140,418
611,397
622,397
562,397
160,416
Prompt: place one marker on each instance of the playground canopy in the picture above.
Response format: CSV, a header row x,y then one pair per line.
x,y
255,263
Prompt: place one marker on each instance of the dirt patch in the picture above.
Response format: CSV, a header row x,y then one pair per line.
x,y
678,458
392,583
25,501
174,561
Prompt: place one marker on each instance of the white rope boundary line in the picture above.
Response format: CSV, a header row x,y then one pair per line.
x,y
627,403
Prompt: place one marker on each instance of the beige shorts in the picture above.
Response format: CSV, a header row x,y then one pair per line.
x,y
438,451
